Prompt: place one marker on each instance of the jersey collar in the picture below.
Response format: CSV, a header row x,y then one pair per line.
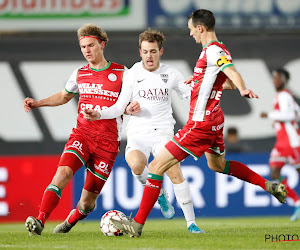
x,y
213,41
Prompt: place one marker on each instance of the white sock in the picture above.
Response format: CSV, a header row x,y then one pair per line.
x,y
143,177
183,195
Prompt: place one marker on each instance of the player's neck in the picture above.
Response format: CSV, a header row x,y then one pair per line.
x,y
209,37
102,63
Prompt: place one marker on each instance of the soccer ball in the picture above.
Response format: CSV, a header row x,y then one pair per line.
x,y
107,227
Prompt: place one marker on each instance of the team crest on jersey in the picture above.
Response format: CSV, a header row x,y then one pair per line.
x,y
112,77
164,77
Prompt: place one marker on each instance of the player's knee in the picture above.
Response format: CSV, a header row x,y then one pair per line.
x,y
217,166
65,172
137,167
62,176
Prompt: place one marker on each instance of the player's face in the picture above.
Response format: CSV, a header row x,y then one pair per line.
x,y
279,81
91,49
150,54
194,31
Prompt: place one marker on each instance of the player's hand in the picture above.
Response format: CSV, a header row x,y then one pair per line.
x,y
263,115
248,93
91,115
132,108
29,104
189,80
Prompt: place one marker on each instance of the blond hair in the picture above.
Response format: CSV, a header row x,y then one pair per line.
x,y
152,36
91,29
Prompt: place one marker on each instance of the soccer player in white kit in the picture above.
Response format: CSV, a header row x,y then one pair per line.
x,y
150,83
287,147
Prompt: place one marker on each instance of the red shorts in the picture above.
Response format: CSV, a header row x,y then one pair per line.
x,y
97,154
283,154
196,138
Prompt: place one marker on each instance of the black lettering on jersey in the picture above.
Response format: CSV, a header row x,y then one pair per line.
x,y
222,61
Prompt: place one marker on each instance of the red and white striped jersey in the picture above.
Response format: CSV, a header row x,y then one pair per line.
x,y
285,115
207,84
98,89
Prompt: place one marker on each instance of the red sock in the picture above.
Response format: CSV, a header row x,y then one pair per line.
x,y
78,215
150,195
242,172
50,200
290,192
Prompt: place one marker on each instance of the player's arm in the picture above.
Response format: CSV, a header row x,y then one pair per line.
x,y
119,107
238,81
229,85
132,108
287,111
182,87
57,99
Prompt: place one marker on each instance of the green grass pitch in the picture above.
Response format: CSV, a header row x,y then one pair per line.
x,y
221,233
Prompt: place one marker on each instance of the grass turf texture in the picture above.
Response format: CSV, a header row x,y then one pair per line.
x,y
221,233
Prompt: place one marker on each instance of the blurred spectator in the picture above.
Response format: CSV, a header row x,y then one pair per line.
x,y
233,143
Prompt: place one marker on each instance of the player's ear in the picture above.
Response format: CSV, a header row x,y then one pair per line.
x,y
200,28
102,45
140,52
161,51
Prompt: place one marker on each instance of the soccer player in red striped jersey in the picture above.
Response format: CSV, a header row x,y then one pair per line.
x,y
92,144
287,147
203,133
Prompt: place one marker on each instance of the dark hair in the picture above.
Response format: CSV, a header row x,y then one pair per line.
x,y
232,131
203,17
152,36
283,72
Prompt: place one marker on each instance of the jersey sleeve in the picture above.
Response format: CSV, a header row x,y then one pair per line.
x,y
183,90
286,111
71,85
217,56
119,107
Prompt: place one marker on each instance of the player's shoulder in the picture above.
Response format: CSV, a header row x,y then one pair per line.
x,y
117,67
284,94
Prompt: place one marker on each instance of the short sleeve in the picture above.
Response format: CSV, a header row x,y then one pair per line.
x,y
183,90
217,56
71,85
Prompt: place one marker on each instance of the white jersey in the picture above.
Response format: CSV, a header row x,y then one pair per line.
x,y
152,90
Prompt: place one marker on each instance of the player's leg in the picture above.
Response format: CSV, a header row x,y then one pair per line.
x,y
137,155
163,161
296,214
98,167
52,194
278,158
137,161
84,207
218,163
183,196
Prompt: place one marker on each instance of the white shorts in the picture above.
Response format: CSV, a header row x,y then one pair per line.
x,y
150,142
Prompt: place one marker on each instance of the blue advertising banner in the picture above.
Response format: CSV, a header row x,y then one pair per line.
x,y
231,14
214,194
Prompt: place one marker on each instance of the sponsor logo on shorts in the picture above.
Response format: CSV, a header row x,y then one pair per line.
x,y
103,167
216,128
77,145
